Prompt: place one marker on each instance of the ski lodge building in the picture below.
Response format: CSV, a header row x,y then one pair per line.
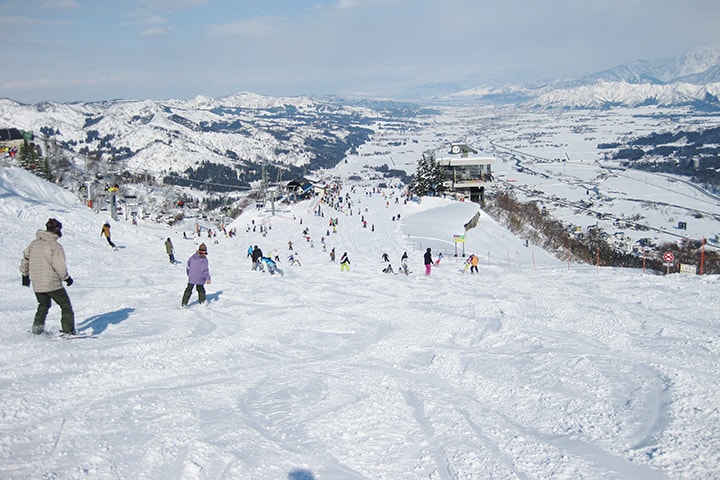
x,y
467,175
12,139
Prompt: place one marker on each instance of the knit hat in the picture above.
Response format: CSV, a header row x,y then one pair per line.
x,y
54,226
202,249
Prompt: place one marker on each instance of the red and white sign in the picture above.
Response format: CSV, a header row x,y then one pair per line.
x,y
668,257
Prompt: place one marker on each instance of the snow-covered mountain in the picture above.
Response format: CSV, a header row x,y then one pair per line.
x,y
242,130
605,94
691,79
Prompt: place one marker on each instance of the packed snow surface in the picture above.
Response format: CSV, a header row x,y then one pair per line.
x,y
534,368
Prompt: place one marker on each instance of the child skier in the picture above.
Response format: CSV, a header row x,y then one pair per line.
x,y
198,273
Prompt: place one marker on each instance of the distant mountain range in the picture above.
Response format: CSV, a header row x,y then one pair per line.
x,y
234,140
692,79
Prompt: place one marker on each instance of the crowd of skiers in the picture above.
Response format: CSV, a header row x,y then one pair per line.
x,y
44,266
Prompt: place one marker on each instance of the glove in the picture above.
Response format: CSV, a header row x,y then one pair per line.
x,y
25,281
69,280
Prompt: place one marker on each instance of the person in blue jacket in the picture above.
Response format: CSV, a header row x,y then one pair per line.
x,y
271,266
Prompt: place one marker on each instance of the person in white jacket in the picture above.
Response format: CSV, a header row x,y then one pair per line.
x,y
43,264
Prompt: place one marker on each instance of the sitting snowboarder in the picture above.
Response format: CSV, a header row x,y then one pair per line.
x,y
388,269
271,266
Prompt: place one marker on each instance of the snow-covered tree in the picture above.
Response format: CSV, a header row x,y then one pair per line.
x,y
429,179
28,155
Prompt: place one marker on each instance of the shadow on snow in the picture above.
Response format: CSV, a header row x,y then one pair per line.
x,y
98,323
300,475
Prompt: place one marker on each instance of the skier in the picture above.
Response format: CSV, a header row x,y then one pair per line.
x,y
332,254
106,233
344,262
294,259
474,260
256,256
198,272
170,250
403,264
428,261
44,263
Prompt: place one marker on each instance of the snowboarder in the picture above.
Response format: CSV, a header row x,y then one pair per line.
x,y
170,250
106,233
198,272
271,266
332,254
385,258
44,263
388,269
439,257
428,261
344,262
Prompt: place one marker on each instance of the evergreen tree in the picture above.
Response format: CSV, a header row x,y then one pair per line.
x,y
429,179
27,155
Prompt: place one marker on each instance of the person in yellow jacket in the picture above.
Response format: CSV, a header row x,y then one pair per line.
x,y
44,265
105,232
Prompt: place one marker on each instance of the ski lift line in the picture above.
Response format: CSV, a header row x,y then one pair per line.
x,y
238,187
145,171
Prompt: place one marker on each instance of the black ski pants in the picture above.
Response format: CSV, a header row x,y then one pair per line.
x,y
188,292
45,299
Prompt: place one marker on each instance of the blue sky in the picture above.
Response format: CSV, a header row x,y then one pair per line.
x,y
87,50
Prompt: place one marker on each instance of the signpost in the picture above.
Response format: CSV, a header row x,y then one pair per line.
x,y
459,239
668,258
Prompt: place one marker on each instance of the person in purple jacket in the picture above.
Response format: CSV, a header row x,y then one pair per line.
x,y
198,273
